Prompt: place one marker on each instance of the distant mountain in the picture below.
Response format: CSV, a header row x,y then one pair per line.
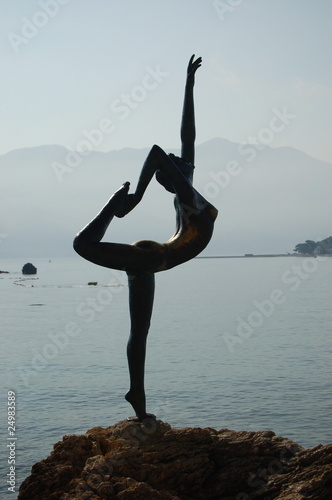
x,y
268,198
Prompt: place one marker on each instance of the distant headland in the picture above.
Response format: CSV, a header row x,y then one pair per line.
x,y
309,248
314,248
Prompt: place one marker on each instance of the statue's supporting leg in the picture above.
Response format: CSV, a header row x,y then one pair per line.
x,y
141,295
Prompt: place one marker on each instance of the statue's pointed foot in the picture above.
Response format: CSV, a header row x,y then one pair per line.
x,y
142,418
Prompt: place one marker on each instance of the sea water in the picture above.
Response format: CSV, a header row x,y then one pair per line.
x,y
238,343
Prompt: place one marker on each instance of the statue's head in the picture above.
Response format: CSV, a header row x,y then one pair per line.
x,y
186,168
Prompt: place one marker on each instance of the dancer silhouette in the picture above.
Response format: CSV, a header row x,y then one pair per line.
x,y
195,218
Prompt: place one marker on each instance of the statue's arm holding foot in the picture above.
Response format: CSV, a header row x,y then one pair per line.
x,y
129,201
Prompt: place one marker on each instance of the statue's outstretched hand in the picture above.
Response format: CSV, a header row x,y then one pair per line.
x,y
127,204
193,67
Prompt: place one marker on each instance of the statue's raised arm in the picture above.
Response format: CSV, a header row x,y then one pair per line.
x,y
188,129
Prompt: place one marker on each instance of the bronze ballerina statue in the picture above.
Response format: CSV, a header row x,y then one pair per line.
x,y
141,260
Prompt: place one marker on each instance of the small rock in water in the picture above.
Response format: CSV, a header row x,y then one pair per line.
x,y
29,269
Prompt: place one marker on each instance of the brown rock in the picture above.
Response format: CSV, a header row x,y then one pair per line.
x,y
152,461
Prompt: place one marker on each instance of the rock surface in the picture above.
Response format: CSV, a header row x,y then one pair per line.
x,y
153,461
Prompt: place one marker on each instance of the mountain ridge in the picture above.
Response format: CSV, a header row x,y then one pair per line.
x,y
214,141
268,199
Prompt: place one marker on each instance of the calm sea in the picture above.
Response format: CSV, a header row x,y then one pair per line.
x,y
239,343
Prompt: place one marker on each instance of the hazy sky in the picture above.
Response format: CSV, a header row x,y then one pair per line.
x,y
71,67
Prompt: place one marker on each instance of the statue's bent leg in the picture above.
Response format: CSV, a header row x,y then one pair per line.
x,y
182,185
141,295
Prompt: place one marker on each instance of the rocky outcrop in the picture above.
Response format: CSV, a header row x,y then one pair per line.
x,y
152,461
29,269
315,248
